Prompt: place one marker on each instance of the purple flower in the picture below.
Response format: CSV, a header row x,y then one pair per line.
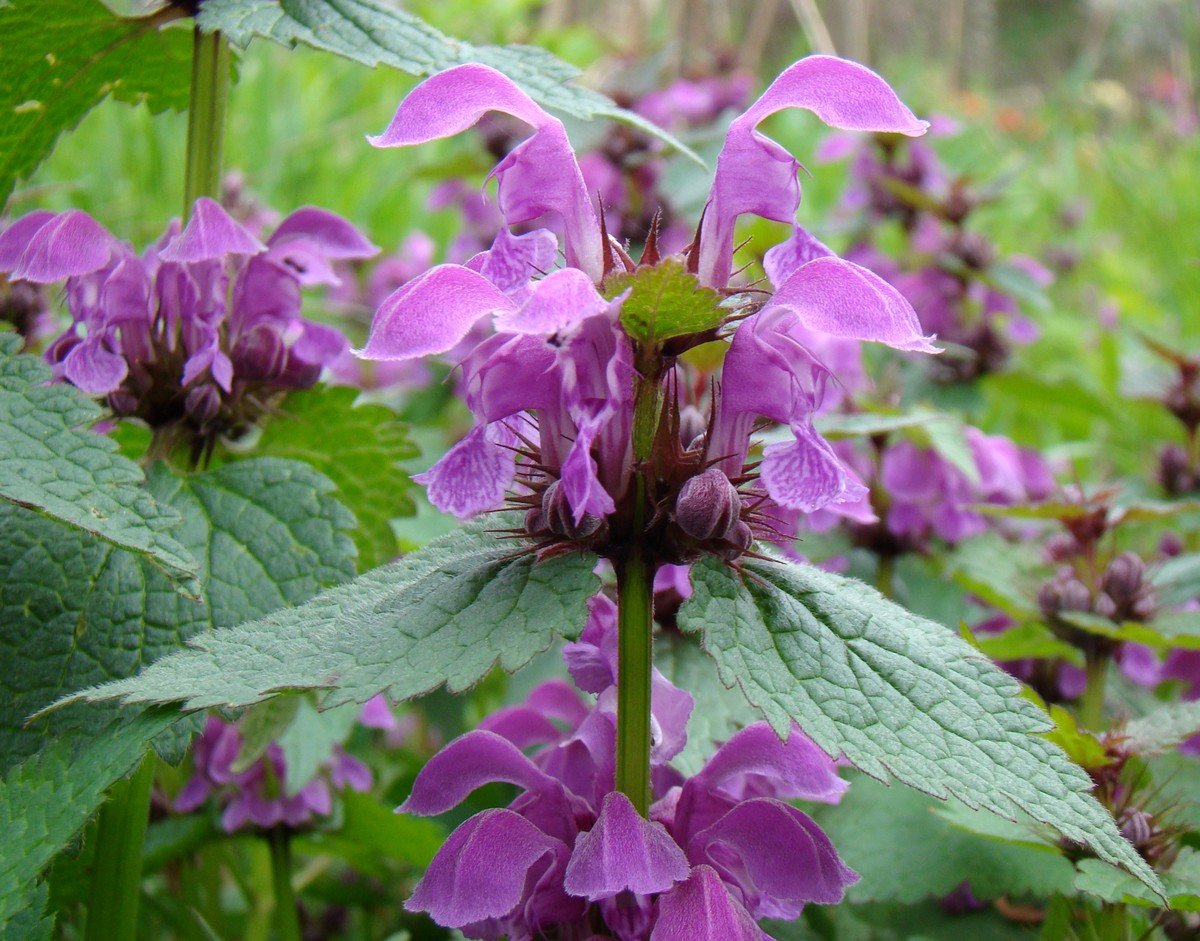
x,y
258,794
552,387
204,327
570,854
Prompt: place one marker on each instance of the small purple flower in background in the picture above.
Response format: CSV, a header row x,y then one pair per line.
x,y
552,387
259,795
202,332
960,287
23,306
571,858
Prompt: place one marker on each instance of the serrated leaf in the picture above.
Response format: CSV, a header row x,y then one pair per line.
x,y
76,611
358,447
1181,881
896,694
665,301
905,851
1163,729
61,58
45,800
50,464
719,711
376,33
446,615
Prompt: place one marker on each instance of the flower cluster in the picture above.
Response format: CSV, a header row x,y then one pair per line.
x,y
259,793
570,857
952,275
918,494
553,385
203,330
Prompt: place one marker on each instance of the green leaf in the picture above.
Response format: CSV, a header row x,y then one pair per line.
x,y
446,614
370,832
1029,639
50,464
309,739
949,439
1177,580
896,694
998,573
665,301
1163,729
1167,631
61,58
1182,883
905,851
1081,746
867,424
374,33
720,710
358,447
77,611
262,724
46,800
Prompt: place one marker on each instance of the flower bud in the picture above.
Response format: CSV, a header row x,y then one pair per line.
x,y
1105,607
1137,826
203,403
692,425
1123,579
738,541
560,518
1173,471
708,506
1061,547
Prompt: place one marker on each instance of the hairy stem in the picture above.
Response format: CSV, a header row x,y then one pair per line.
x,y
1091,704
206,117
116,883
287,917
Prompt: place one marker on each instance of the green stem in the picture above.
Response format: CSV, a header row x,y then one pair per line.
x,y
635,615
206,117
635,645
1091,704
885,576
287,917
116,884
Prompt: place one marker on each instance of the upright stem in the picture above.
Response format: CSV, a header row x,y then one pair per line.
x,y
635,616
1091,705
206,117
287,917
116,884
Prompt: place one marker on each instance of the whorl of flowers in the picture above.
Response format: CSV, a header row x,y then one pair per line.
x,y
201,331
571,858
552,388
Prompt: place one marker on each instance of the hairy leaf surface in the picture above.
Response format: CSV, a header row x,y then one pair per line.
x,y
50,464
444,615
896,694
78,611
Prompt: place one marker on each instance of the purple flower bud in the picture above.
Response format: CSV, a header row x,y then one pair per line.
x,y
1174,472
708,506
1137,826
1061,547
1105,607
1124,578
203,403
738,541
692,426
560,519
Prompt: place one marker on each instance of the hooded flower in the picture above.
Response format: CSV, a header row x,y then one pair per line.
x,y
570,854
552,387
201,329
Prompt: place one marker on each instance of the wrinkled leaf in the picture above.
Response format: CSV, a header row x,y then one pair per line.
x,y
357,447
446,615
896,694
77,611
665,301
61,58
374,33
50,464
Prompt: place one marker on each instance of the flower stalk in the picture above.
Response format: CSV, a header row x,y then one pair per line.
x,y
1091,704
635,616
206,117
287,917
116,881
